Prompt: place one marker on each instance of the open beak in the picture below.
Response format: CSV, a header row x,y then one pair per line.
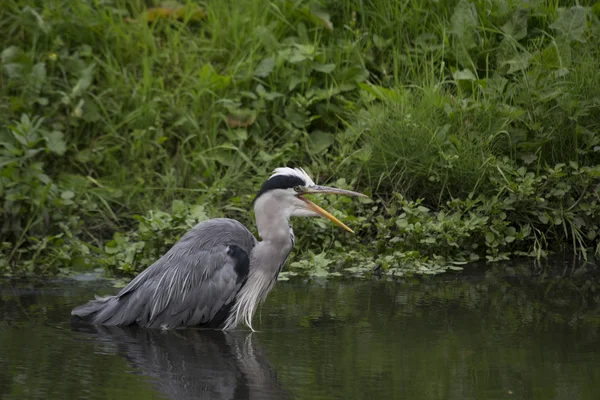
x,y
327,190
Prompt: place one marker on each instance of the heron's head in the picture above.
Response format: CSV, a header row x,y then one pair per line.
x,y
284,193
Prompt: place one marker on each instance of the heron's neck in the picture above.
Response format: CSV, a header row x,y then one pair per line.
x,y
266,260
273,222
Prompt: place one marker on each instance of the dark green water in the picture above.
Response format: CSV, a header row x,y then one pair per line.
x,y
447,337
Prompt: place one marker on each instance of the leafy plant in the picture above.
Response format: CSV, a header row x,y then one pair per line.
x,y
473,126
155,234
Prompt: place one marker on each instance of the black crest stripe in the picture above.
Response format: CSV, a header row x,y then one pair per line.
x,y
280,182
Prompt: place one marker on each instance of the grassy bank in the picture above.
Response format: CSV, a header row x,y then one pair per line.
x,y
474,126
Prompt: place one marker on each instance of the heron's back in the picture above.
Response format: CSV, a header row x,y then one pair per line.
x,y
215,232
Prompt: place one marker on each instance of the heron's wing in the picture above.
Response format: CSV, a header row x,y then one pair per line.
x,y
206,236
190,295
191,291
191,284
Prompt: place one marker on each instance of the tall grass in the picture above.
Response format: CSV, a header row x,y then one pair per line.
x,y
108,112
473,85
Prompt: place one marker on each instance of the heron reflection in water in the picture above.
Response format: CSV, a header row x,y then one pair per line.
x,y
217,273
193,363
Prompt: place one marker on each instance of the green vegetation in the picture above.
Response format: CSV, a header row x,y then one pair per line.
x,y
473,125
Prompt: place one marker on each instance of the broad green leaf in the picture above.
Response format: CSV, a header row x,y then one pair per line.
x,y
45,179
56,143
84,82
519,62
558,221
84,156
266,37
380,92
301,52
261,91
571,23
325,68
559,73
266,157
14,61
238,135
265,67
307,49
211,78
320,141
91,112
464,75
354,74
380,42
111,250
463,22
296,115
516,27
67,195
297,56
401,223
272,95
13,70
295,81
20,137
550,58
178,207
198,212
528,158
11,54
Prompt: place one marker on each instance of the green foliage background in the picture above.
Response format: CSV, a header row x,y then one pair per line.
x,y
473,125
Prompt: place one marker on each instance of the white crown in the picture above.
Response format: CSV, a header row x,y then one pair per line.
x,y
299,172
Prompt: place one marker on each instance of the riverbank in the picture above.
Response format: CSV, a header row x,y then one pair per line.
x,y
475,130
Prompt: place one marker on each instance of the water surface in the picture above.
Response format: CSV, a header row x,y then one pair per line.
x,y
489,336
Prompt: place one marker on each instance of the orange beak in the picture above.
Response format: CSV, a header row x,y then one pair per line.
x,y
322,212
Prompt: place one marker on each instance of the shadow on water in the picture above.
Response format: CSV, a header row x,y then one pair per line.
x,y
192,363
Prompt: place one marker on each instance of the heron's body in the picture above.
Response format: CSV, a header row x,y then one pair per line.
x,y
217,273
207,267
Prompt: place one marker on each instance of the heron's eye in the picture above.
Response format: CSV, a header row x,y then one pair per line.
x,y
297,189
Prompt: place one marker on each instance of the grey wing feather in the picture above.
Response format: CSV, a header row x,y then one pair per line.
x,y
188,286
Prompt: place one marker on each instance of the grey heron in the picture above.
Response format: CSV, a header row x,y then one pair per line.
x,y
217,273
